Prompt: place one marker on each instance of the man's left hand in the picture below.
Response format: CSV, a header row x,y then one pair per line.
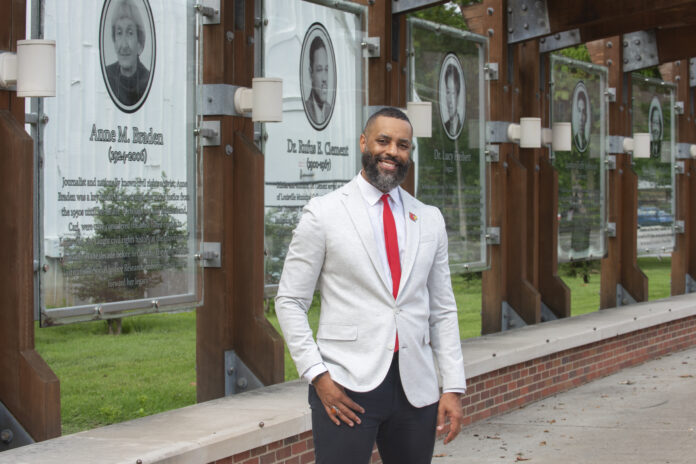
x,y
450,407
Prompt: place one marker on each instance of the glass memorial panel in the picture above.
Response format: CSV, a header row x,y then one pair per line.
x,y
577,96
118,174
653,103
315,47
446,68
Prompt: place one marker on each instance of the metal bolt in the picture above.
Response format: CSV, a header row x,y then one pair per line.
x,y
509,10
491,32
6,436
44,119
542,40
490,11
139,461
242,382
371,2
261,424
557,36
524,7
265,21
230,371
526,26
230,36
228,149
625,43
609,44
637,41
45,267
610,62
510,30
389,66
250,40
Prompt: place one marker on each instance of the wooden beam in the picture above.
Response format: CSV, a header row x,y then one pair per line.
x,y
676,43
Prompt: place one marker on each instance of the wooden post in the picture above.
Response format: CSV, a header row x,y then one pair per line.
x,y
620,265
28,387
232,315
678,72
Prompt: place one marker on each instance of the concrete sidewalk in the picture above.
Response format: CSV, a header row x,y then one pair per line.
x,y
644,414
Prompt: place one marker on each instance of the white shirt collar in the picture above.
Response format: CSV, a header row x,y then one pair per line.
x,y
373,195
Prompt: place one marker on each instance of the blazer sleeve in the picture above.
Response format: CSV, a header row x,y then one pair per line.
x,y
298,280
444,323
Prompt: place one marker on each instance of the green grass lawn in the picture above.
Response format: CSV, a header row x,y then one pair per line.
x,y
150,367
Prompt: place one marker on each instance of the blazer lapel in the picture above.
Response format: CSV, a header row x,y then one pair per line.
x,y
412,236
355,205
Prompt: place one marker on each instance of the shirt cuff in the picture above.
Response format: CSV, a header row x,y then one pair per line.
x,y
313,371
455,390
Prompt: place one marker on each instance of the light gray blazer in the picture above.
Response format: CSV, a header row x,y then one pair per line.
x,y
333,249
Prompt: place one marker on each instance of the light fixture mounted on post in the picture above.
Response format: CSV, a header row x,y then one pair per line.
x,y
264,99
421,116
641,145
32,70
558,137
527,133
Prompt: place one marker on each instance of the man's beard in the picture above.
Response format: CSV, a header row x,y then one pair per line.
x,y
385,182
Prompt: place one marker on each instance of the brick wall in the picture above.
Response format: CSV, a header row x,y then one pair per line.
x,y
511,387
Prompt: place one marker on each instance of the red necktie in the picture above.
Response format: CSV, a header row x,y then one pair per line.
x,y
392,245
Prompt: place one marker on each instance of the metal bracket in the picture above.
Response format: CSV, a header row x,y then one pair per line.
x,y
683,151
399,6
490,71
510,318
238,377
615,144
547,314
610,94
217,100
623,298
209,11
559,40
496,132
690,284
679,167
692,72
679,107
679,227
492,153
493,236
610,229
371,47
12,434
610,162
640,50
210,254
527,20
209,132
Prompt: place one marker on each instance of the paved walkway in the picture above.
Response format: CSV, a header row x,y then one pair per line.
x,y
641,415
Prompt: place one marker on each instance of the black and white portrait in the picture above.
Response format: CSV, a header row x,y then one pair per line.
x,y
655,127
452,96
581,112
318,76
127,51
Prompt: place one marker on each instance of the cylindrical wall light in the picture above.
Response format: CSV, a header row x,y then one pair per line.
x,y
561,140
530,132
692,151
267,99
421,116
36,68
641,145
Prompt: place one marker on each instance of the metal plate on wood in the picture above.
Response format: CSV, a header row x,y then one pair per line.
x,y
217,99
640,50
527,19
399,6
209,132
547,314
623,298
209,11
690,284
12,434
692,72
238,377
510,318
559,40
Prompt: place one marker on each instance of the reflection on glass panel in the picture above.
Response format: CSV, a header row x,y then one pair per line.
x,y
578,97
653,103
316,49
446,69
118,179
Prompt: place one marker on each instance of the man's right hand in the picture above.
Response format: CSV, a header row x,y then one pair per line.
x,y
337,404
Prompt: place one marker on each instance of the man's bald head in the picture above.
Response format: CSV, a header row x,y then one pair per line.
x,y
387,112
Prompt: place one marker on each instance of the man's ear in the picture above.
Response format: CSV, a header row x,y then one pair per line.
x,y
363,143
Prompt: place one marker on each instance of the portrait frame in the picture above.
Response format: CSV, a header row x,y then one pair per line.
x,y
451,60
317,30
656,141
581,140
108,54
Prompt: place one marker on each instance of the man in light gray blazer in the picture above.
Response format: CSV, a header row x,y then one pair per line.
x,y
387,363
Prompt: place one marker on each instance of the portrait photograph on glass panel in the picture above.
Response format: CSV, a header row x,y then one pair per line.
x,y
318,76
127,46
653,102
445,69
577,96
452,96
